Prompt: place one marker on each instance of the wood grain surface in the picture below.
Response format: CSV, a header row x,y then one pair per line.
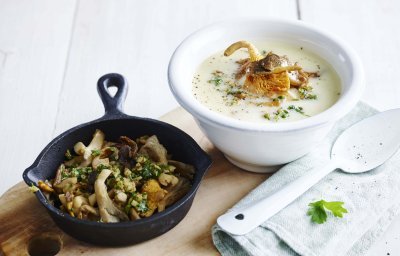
x,y
24,219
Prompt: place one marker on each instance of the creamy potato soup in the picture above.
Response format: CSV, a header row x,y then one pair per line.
x,y
266,82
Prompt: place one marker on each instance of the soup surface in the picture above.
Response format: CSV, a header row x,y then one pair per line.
x,y
217,85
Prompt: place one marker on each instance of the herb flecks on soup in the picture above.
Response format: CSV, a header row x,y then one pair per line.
x,y
285,83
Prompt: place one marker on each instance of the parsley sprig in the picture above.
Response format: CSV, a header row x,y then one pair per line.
x,y
317,210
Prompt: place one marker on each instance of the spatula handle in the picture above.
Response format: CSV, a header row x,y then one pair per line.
x,y
242,221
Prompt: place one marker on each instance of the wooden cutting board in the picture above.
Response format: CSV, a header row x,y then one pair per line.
x,y
24,223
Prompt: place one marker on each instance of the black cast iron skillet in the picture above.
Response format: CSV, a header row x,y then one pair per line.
x,y
114,124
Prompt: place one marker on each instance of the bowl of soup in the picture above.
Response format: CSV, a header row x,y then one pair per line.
x,y
265,91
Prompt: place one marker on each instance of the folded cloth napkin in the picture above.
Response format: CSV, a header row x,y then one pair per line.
x,y
371,199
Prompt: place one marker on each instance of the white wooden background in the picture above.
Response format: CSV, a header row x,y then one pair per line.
x,y
53,52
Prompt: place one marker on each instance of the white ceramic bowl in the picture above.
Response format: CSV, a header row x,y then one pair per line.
x,y
256,146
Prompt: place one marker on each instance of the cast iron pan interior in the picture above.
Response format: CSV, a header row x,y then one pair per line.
x,y
114,124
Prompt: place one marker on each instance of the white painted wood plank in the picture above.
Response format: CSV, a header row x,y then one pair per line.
x,y
34,38
136,39
371,28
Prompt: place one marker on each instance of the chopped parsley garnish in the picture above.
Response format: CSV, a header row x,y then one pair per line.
x,y
297,109
311,97
284,113
279,98
317,210
281,113
96,152
100,167
146,169
142,206
138,201
80,172
267,116
149,171
236,93
217,80
305,93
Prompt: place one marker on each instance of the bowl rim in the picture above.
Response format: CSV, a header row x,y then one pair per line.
x,y
341,107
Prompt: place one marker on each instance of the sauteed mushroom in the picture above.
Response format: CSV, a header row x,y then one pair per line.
x,y
95,144
118,181
154,150
272,74
175,192
108,211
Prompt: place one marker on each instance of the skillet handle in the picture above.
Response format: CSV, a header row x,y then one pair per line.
x,y
113,106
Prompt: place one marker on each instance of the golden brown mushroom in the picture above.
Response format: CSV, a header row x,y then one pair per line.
x,y
272,74
253,52
154,195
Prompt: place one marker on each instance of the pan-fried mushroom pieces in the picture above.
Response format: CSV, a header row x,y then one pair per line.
x,y
76,161
77,202
253,51
108,211
67,185
45,187
95,144
118,181
166,179
58,177
272,74
88,212
154,150
185,170
154,195
97,161
132,144
120,197
86,152
267,84
133,215
175,192
92,199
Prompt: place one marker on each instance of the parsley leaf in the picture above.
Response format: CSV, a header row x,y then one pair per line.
x,y
96,152
267,116
216,80
305,93
317,210
297,109
68,155
336,208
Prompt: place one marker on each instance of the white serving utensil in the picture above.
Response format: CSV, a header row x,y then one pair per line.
x,y
361,148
